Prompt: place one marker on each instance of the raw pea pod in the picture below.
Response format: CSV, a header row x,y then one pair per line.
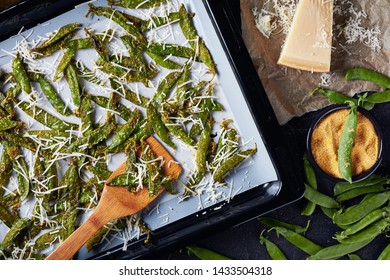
x,y
136,4
20,73
335,96
378,97
271,222
231,163
368,233
356,212
311,180
346,143
360,191
385,254
319,198
205,254
14,232
368,75
354,257
154,119
273,250
298,240
374,179
51,95
45,118
197,43
338,250
363,223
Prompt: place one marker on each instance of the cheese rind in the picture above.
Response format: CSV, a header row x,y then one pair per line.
x,y
309,42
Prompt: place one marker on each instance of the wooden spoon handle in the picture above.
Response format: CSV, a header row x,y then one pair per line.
x,y
78,238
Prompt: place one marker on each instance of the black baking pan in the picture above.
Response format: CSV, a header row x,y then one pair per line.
x,y
248,205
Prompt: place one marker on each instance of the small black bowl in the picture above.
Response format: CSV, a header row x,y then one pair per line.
x,y
379,132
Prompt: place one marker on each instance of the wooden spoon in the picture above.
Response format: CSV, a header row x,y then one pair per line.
x,y
115,202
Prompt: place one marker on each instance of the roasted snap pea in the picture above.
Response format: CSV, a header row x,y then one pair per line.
x,y
164,61
6,216
170,49
18,141
368,75
14,232
98,44
6,167
195,41
166,85
202,150
40,52
154,119
136,4
59,34
346,143
65,60
229,164
177,130
273,250
205,254
356,212
71,77
125,131
155,22
20,73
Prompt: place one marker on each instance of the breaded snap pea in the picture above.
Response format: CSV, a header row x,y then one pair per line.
x,y
166,85
20,73
164,61
65,60
136,4
71,77
125,131
7,123
52,48
18,141
170,49
177,130
154,119
6,167
197,43
61,33
98,45
52,95
155,22
202,150
45,118
232,162
7,217
14,232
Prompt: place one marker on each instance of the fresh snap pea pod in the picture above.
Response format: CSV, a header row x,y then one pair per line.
x,y
368,233
273,250
119,18
298,240
136,4
6,167
170,49
97,135
338,250
14,232
195,41
177,130
164,61
385,254
356,212
319,198
311,180
205,254
166,85
335,96
98,45
272,222
360,191
51,95
368,75
20,73
346,143
154,119
71,77
378,97
124,133
374,179
59,34
363,223
227,165
45,118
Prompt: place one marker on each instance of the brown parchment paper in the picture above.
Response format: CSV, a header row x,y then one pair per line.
x,y
289,90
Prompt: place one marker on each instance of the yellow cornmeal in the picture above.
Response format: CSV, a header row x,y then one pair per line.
x,y
326,138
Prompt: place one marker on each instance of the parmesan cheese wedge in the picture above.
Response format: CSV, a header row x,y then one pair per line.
x,y
309,42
